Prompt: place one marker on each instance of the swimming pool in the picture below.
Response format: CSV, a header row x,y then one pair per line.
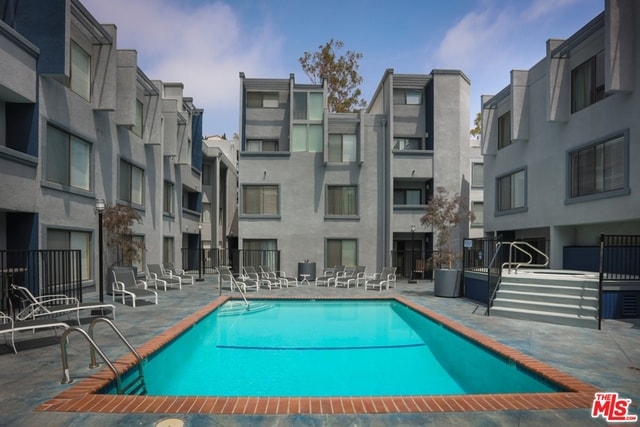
x,y
329,348
83,396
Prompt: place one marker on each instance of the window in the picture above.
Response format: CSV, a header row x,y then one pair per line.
x,y
167,200
342,200
342,148
167,249
477,175
206,213
307,106
587,83
407,96
263,100
307,138
66,239
598,168
407,196
131,183
477,208
342,252
504,130
207,174
406,143
260,200
512,191
80,72
68,159
138,127
258,145
261,252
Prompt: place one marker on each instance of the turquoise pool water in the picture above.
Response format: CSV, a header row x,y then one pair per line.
x,y
328,348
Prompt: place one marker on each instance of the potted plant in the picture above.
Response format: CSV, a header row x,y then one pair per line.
x,y
123,251
444,213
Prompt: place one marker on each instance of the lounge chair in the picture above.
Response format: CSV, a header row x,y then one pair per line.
x,y
158,275
125,284
351,277
9,326
241,283
279,275
382,279
252,274
54,305
178,272
329,275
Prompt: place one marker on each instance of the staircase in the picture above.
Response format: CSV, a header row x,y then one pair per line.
x,y
560,298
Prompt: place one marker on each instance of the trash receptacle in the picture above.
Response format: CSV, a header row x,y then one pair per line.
x,y
307,268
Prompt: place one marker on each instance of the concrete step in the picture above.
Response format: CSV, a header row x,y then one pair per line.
x,y
546,317
550,288
589,300
546,306
562,280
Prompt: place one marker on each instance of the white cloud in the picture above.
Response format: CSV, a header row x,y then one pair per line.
x,y
205,47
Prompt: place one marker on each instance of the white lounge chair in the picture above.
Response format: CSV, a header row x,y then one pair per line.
x,y
126,285
329,275
350,277
10,326
382,279
55,305
251,273
241,283
170,269
159,276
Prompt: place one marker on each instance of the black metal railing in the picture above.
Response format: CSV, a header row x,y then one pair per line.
x,y
619,261
412,264
485,255
43,272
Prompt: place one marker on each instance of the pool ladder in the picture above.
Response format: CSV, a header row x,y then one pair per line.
x,y
136,386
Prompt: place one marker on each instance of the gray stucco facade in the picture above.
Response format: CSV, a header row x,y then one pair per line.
x,y
558,127
80,121
350,191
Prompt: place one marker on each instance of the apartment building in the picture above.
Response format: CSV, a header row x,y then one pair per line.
x,y
561,145
349,188
80,121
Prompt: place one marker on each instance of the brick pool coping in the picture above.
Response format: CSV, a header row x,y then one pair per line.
x,y
81,397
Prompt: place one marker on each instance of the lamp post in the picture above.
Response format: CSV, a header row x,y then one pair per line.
x,y
411,277
100,205
201,258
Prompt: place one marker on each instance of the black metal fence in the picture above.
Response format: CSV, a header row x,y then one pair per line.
x,y
43,272
619,262
210,259
412,264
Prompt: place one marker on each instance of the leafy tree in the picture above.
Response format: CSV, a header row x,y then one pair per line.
x,y
341,73
477,126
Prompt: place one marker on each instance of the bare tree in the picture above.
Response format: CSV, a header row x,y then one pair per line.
x,y
341,73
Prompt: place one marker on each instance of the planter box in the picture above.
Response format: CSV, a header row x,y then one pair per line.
x,y
447,283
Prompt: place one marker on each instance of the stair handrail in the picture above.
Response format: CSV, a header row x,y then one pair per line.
x,y
491,263
66,378
516,245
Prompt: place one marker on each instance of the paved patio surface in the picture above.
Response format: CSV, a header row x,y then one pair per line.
x,y
608,359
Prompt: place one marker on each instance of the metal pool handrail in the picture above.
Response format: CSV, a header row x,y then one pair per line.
x,y
516,245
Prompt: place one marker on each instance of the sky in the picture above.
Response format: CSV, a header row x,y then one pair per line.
x,y
205,44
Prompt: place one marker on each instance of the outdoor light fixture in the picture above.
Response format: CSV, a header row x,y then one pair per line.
x,y
100,206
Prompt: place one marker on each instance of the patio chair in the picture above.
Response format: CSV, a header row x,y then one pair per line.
x,y
10,326
351,277
126,285
382,279
329,275
54,305
178,272
251,273
157,274
279,275
240,283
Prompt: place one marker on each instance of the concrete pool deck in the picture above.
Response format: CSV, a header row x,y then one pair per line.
x,y
608,359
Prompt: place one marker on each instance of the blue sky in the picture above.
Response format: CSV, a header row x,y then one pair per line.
x,y
206,43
